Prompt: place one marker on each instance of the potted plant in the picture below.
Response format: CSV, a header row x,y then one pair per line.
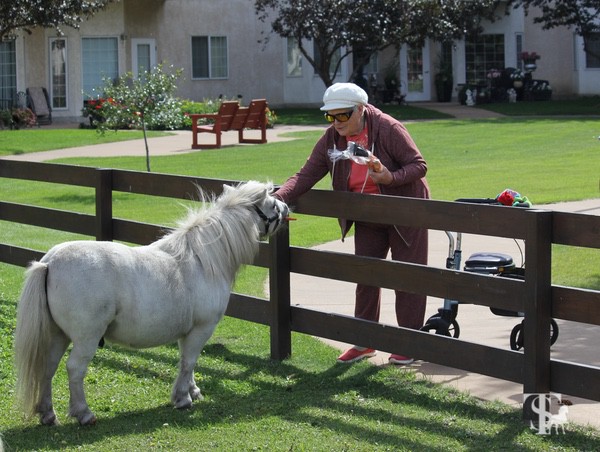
x,y
517,78
529,60
541,90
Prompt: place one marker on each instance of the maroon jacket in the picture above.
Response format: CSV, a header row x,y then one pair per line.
x,y
389,141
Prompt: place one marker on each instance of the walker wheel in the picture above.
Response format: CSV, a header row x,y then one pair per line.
x,y
516,335
442,327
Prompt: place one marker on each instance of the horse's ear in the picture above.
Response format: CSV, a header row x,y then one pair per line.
x,y
268,188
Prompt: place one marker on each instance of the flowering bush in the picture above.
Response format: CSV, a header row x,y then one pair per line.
x,y
271,118
94,109
23,117
494,73
207,106
146,102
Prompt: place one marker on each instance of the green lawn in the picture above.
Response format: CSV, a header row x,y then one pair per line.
x,y
583,106
307,402
313,116
304,403
14,142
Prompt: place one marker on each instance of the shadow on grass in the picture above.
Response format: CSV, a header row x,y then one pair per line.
x,y
72,198
76,198
377,404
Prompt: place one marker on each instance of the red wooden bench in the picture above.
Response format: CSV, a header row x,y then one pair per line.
x,y
255,118
221,122
232,117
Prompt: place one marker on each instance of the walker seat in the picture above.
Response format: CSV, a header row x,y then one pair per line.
x,y
489,263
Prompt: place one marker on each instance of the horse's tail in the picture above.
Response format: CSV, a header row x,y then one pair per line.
x,y
32,337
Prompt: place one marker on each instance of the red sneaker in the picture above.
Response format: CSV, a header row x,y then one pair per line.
x,y
400,359
355,354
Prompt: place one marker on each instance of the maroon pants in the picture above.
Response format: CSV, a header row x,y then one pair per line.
x,y
373,240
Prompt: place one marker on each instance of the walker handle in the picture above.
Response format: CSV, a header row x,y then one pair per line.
x,y
491,201
478,200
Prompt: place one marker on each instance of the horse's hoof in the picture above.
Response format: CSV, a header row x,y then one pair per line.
x,y
49,419
184,404
195,394
88,419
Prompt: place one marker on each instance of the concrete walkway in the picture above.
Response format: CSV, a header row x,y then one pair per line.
x,y
459,111
576,342
180,142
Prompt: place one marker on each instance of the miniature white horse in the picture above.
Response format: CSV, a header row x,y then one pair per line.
x,y
175,289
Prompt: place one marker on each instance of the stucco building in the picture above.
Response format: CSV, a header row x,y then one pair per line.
x,y
217,45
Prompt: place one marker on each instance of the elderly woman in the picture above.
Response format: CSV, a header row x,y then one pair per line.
x,y
394,167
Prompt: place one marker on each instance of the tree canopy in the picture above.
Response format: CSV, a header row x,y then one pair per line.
x,y
363,27
28,14
582,16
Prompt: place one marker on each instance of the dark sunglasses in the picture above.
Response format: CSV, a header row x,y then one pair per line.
x,y
341,117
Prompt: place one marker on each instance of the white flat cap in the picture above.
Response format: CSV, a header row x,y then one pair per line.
x,y
343,95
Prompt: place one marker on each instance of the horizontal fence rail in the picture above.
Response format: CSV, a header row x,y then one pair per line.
x,y
535,295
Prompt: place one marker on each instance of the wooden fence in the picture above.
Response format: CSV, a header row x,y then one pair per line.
x,y
535,295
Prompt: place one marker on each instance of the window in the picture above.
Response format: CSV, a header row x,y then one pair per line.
x,y
482,54
58,72
592,56
519,46
414,65
209,57
294,58
100,59
8,74
143,58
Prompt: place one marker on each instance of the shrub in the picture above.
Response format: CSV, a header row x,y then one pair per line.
x,y
93,109
23,117
271,118
6,118
208,106
146,102
191,107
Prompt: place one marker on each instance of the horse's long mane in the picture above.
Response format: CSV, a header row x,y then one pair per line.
x,y
222,233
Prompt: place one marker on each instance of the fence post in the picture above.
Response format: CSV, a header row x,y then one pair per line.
x,y
538,310
279,288
104,204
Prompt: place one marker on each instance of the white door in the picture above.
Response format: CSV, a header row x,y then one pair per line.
x,y
415,74
143,56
